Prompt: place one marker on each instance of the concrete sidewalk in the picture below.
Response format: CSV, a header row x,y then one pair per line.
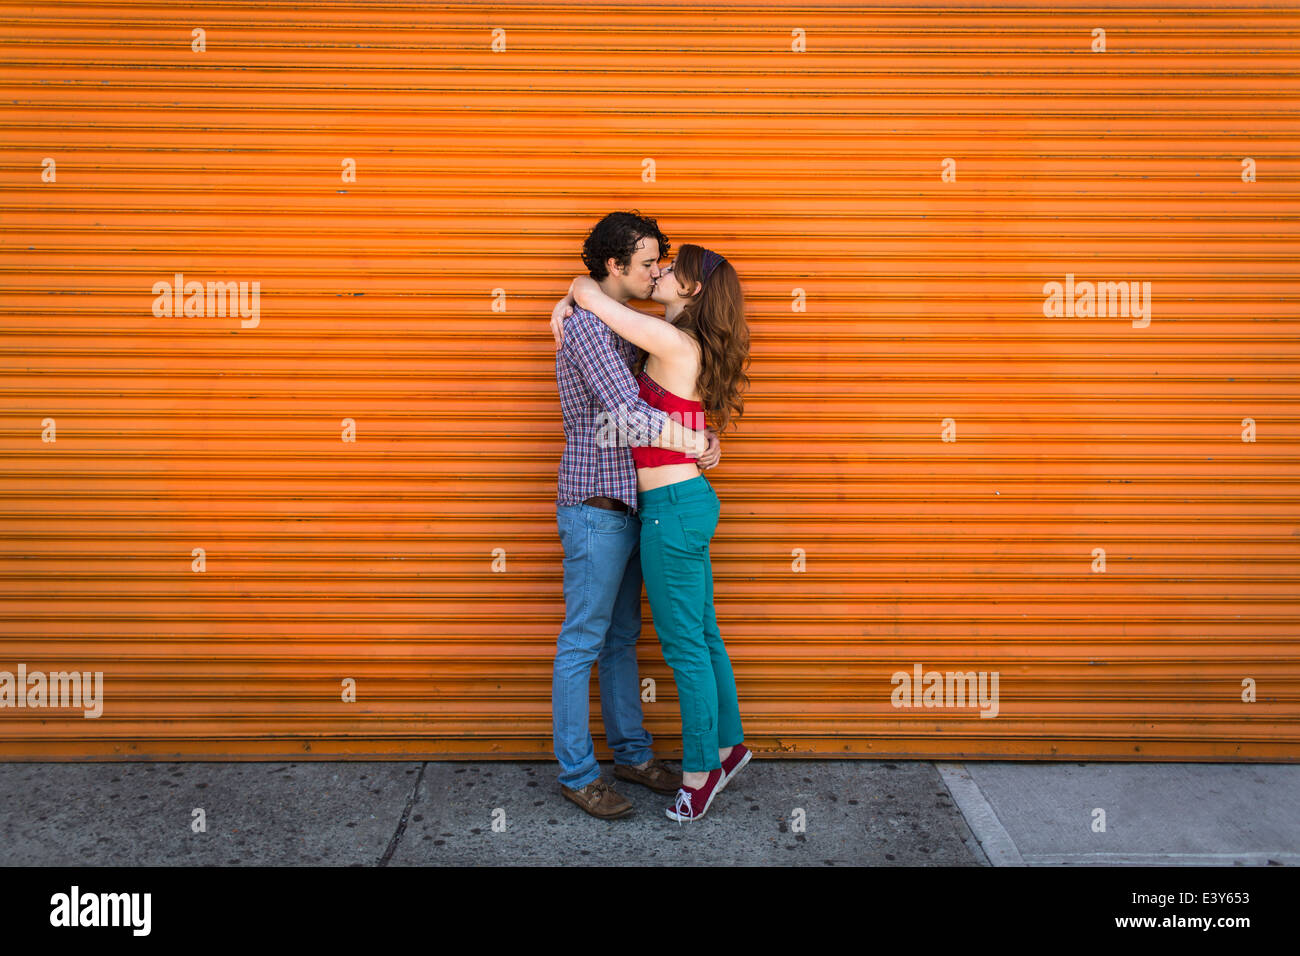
x,y
776,812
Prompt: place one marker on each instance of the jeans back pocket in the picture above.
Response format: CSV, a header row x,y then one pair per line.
x,y
698,526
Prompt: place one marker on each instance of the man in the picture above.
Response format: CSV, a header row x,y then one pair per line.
x,y
596,512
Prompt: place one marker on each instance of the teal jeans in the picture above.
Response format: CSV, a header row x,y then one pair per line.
x,y
677,523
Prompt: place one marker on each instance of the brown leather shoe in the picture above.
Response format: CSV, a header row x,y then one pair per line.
x,y
600,800
656,776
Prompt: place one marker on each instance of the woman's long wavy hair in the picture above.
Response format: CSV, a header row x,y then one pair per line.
x,y
715,318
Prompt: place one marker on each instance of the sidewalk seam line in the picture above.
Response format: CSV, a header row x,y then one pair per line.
x,y
406,812
980,816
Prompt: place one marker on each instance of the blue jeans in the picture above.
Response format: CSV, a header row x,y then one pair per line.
x,y
602,621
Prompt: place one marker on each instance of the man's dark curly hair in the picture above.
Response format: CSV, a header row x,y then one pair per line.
x,y
616,236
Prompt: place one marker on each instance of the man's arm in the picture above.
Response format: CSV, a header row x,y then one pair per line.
x,y
587,345
563,309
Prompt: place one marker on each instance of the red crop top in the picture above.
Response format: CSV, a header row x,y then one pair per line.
x,y
691,415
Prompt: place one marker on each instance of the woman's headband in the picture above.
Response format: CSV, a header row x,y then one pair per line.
x,y
711,260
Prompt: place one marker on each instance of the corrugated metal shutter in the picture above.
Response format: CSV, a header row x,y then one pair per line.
x,y
820,170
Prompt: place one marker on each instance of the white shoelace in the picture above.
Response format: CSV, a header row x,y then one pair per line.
x,y
682,805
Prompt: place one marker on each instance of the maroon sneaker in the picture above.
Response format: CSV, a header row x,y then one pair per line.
x,y
692,802
731,766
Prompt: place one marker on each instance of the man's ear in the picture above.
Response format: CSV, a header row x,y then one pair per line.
x,y
613,268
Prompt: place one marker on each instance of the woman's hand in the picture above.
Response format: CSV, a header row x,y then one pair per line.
x,y
563,309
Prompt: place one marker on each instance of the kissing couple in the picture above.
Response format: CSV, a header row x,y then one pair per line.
x,y
628,512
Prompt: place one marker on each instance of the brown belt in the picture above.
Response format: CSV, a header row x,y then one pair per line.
x,y
611,504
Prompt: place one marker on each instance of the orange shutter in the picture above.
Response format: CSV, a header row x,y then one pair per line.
x,y
930,471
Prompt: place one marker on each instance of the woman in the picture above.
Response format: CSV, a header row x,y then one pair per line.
x,y
690,363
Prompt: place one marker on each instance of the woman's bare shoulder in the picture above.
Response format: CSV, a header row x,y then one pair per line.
x,y
678,372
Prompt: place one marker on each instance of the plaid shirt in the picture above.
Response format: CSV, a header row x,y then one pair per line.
x,y
593,373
